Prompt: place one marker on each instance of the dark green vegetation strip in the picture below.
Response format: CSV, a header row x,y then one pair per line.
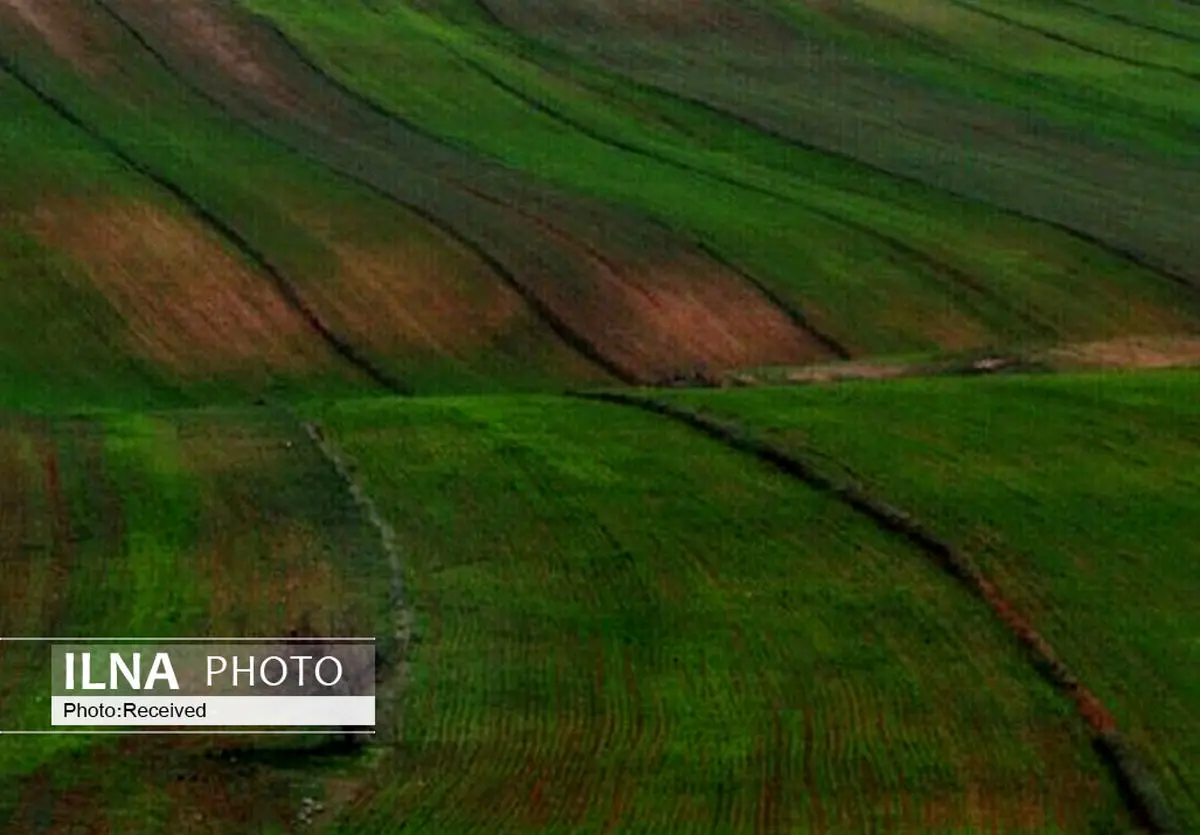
x,y
571,122
285,287
1149,801
900,114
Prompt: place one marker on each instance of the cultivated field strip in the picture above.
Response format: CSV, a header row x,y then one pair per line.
x,y
366,144
518,349
1072,492
859,273
626,634
187,523
775,192
815,91
283,284
319,152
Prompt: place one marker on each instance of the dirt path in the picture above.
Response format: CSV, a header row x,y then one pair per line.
x,y
1122,353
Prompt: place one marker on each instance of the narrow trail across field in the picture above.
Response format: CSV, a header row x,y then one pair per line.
x,y
402,621
1145,798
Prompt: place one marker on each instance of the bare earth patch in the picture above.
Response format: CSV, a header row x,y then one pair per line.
x,y
209,35
847,371
690,315
406,298
189,304
1135,352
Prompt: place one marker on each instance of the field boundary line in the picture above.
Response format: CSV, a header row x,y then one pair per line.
x,y
1138,785
283,285
1071,42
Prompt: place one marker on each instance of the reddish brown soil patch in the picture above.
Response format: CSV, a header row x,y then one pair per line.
x,y
686,316
1134,352
675,318
207,33
189,304
66,28
404,299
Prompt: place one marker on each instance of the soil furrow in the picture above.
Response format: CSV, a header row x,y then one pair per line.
x,y
1145,260
283,285
1138,785
957,276
1117,17
1074,44
542,311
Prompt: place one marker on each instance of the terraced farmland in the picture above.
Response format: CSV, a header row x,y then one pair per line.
x,y
422,222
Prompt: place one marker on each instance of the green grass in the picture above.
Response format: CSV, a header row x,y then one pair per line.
x,y
162,525
617,623
1075,493
621,625
806,236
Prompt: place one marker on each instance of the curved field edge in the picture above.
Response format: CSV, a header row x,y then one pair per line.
x,y
712,663
638,306
1071,491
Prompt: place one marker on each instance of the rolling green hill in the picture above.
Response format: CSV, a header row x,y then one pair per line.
x,y
265,262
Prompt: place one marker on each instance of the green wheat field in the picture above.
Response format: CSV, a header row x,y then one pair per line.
x,y
787,411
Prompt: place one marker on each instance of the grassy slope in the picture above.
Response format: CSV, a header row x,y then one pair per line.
x,y
878,90
1076,493
181,524
618,627
684,640
857,251
348,253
